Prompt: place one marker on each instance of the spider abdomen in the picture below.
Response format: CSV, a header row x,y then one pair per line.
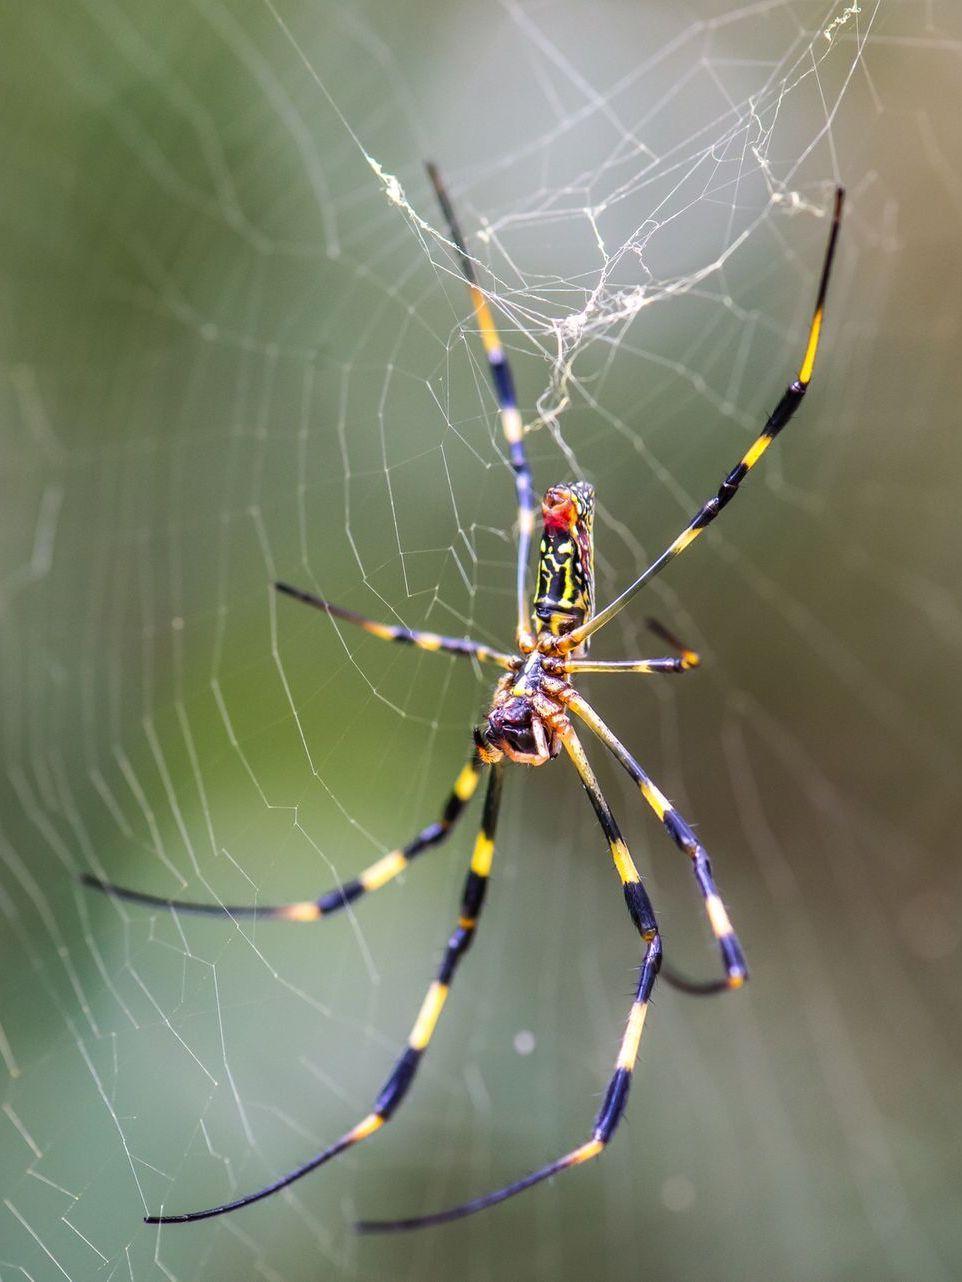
x,y
565,582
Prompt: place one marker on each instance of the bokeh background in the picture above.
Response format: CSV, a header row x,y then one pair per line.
x,y
231,352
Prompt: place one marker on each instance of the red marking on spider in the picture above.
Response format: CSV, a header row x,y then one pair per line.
x,y
558,510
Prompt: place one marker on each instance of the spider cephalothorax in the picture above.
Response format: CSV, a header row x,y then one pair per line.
x,y
530,721
527,716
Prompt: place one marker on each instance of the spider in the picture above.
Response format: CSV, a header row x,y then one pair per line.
x,y
530,721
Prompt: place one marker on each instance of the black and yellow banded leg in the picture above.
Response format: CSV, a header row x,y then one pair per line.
x,y
403,1073
733,959
779,418
636,897
606,1122
681,664
431,641
616,1096
687,659
511,423
377,875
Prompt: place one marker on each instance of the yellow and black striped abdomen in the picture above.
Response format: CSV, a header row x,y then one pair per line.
x,y
565,583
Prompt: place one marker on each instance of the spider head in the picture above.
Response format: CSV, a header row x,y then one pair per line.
x,y
566,568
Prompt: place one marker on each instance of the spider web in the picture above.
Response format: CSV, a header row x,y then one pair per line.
x,y
237,347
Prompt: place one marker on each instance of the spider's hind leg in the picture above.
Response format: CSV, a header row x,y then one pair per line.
x,y
402,1075
682,834
616,1096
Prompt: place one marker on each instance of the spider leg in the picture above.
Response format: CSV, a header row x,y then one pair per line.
x,y
733,959
690,658
616,1095
501,377
405,636
403,1073
377,875
687,659
779,418
683,664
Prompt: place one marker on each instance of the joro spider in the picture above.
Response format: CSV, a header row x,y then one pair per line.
x,y
529,722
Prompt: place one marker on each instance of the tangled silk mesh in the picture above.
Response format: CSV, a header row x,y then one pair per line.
x,y
238,347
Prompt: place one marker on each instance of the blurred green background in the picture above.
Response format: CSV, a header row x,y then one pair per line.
x,y
228,356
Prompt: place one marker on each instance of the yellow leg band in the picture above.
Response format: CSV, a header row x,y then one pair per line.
x,y
382,630
623,862
306,911
757,450
720,924
373,1122
489,333
466,783
428,1016
686,537
383,871
512,425
586,1152
808,364
483,854
657,800
629,1046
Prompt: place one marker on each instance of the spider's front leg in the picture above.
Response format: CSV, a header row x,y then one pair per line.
x,y
433,642
779,418
503,382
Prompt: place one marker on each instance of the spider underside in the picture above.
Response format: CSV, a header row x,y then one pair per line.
x,y
530,722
